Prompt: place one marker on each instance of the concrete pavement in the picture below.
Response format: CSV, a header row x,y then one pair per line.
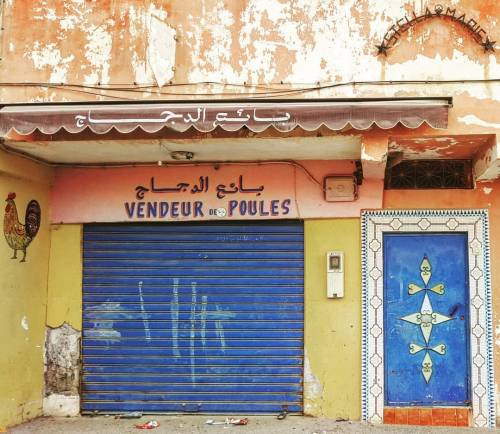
x,y
184,424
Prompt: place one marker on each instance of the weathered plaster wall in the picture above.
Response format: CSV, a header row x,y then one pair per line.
x,y
128,49
486,195
242,41
332,371
23,290
64,322
62,371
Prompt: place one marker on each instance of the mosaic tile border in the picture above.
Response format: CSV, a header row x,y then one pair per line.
x,y
475,223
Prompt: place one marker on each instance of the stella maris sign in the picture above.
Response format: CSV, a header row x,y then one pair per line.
x,y
402,25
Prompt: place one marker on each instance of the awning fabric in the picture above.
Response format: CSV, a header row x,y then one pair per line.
x,y
283,115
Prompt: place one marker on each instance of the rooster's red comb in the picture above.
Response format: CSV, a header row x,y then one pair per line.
x,y
11,196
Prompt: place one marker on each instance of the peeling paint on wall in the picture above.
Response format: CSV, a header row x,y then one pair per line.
x,y
252,41
313,390
161,50
456,66
210,41
62,360
366,156
154,59
326,46
49,57
315,41
474,120
98,52
62,371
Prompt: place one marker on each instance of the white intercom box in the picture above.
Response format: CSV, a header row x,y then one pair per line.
x,y
335,274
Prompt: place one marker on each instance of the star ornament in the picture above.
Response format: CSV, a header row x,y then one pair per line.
x,y
488,45
382,49
426,318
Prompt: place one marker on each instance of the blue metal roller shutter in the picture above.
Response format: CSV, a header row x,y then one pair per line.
x,y
193,317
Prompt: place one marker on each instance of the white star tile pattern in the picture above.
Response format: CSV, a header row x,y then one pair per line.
x,y
475,224
426,318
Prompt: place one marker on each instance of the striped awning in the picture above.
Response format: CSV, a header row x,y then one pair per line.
x,y
205,116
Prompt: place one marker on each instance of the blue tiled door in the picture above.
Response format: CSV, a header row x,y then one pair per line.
x,y
426,319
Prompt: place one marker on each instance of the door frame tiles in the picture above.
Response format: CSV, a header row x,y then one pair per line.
x,y
474,222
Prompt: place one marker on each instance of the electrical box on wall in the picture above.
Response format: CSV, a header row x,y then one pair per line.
x,y
335,274
340,188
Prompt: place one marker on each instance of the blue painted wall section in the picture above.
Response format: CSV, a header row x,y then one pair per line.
x,y
193,318
426,319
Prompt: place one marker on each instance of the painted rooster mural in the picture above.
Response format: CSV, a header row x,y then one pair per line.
x,y
20,236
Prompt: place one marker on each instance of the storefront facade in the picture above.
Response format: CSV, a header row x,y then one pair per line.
x,y
327,249
220,293
203,287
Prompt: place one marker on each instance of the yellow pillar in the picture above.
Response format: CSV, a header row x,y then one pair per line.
x,y
64,302
332,371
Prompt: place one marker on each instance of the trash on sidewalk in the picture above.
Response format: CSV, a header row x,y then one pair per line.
x,y
243,421
216,422
282,415
129,415
228,421
150,424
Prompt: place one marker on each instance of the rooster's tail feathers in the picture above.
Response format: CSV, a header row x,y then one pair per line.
x,y
33,218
